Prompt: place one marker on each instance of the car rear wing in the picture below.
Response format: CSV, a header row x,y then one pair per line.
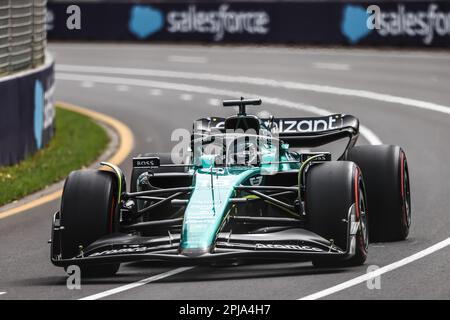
x,y
315,131
297,132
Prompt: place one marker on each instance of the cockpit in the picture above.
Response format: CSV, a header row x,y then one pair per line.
x,y
241,141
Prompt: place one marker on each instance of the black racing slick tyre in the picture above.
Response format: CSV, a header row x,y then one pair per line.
x,y
88,212
385,170
332,188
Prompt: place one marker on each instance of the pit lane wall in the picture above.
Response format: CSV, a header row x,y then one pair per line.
x,y
27,112
410,23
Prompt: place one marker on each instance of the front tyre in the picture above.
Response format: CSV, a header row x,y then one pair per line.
x,y
88,212
332,189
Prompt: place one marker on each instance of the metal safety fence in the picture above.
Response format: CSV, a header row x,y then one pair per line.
x,y
22,34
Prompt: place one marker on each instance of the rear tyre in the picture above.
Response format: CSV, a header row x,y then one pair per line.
x,y
88,212
386,175
332,188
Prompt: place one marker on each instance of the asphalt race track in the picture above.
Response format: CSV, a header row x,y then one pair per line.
x,y
399,96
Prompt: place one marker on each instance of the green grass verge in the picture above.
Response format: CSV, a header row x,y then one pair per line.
x,y
78,141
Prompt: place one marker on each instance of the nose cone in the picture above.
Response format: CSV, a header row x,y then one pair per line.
x,y
195,252
208,207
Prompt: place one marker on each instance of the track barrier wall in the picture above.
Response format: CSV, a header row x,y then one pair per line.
x,y
27,113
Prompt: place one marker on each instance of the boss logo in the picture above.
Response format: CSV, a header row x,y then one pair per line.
x,y
149,162
318,156
145,163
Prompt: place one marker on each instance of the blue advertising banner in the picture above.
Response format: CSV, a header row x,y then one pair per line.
x,y
27,121
325,23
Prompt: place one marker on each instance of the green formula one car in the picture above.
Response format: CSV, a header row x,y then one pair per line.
x,y
249,189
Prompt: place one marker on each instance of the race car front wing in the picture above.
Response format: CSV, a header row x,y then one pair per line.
x,y
282,243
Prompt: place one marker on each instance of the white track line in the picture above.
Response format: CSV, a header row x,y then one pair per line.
x,y
3,292
260,82
136,284
365,132
378,272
